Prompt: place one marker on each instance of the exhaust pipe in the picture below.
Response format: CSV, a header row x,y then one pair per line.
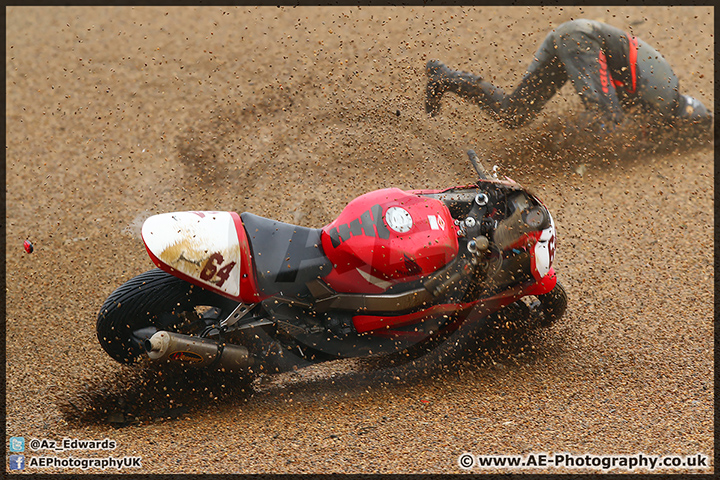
x,y
197,351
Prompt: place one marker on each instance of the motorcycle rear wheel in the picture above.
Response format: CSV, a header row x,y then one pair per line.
x,y
151,299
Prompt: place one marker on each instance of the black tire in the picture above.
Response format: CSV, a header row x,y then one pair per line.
x,y
154,298
508,328
553,305
434,356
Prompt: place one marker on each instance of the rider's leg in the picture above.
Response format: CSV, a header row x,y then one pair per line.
x,y
542,80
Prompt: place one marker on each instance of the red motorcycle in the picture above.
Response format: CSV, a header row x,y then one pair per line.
x,y
399,274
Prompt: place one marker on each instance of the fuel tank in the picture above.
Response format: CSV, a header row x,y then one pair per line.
x,y
388,237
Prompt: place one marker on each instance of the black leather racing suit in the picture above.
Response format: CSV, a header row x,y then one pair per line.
x,y
609,68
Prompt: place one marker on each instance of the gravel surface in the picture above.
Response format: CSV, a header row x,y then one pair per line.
x,y
117,113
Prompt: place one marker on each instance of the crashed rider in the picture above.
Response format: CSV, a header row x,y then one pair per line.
x,y
609,68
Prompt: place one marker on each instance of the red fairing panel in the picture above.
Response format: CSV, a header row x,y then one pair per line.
x,y
385,237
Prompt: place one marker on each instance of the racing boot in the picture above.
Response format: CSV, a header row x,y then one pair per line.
x,y
441,79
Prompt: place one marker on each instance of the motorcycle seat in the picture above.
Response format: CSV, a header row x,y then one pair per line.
x,y
286,256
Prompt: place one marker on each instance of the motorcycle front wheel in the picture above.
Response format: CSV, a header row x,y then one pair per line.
x,y
519,319
151,299
553,305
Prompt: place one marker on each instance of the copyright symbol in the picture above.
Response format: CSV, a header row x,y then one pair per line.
x,y
34,444
466,460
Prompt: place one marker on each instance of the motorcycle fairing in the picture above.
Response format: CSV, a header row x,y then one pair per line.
x,y
208,249
383,325
542,253
544,285
377,323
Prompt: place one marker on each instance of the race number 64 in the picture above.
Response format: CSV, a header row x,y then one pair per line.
x,y
213,268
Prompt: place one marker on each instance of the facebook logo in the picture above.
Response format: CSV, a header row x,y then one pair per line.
x,y
17,444
17,462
